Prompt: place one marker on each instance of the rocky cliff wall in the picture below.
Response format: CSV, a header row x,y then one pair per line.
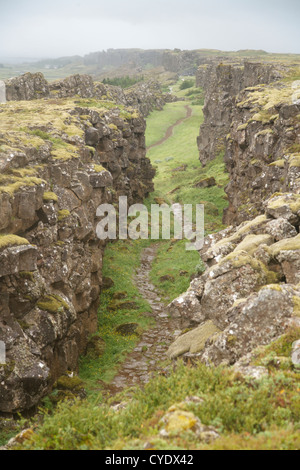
x,y
60,158
144,97
262,149
249,293
222,83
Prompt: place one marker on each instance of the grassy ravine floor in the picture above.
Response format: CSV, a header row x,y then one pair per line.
x,y
248,414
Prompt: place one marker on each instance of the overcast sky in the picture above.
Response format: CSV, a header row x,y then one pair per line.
x,y
55,28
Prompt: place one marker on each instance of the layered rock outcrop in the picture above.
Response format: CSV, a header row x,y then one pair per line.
x,y
177,61
262,148
253,117
60,158
147,97
249,294
144,97
222,83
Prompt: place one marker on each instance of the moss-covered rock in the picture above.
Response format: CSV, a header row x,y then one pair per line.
x,y
252,242
52,304
193,341
67,388
290,244
95,347
129,329
284,205
12,240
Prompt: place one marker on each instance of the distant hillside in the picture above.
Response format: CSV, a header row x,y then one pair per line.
x,y
133,62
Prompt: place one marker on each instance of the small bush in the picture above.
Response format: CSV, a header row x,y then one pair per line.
x,y
187,84
123,82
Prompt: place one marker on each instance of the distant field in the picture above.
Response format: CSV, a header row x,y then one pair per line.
x,y
178,166
10,71
73,65
159,121
178,171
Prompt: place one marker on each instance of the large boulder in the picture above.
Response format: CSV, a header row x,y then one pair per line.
x,y
193,341
255,321
30,86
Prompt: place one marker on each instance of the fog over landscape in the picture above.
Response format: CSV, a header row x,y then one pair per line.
x,y
33,29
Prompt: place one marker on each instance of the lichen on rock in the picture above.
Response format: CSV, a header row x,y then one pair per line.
x,y
56,169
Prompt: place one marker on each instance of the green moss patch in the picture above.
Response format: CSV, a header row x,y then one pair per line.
x,y
63,214
289,244
242,258
99,168
52,304
12,240
50,197
12,184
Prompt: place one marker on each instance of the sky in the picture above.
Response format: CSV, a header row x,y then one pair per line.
x,y
57,28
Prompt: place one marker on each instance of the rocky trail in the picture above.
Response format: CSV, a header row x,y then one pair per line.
x,y
169,132
147,358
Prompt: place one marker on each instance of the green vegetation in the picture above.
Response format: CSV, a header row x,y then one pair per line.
x,y
12,240
176,178
11,184
196,96
101,106
63,214
248,414
53,304
119,264
159,121
121,259
98,168
187,84
123,82
48,196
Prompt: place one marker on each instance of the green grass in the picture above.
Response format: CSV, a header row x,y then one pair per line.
x,y
187,84
179,186
159,121
247,414
120,262
123,82
173,259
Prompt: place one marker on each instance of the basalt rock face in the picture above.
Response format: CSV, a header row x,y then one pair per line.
x,y
144,97
249,294
147,97
27,87
253,117
59,159
262,149
222,83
